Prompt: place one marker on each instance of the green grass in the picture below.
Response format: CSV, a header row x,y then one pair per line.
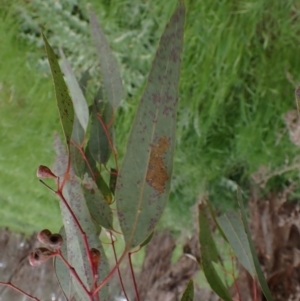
x,y
233,94
28,121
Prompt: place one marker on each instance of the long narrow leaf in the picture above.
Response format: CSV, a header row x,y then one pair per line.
x,y
111,79
79,102
100,145
188,294
209,254
233,228
77,159
206,238
63,273
143,183
297,96
261,279
98,206
64,102
214,217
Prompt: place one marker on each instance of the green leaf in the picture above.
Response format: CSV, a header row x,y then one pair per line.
x,y
92,168
105,190
234,230
63,274
79,102
214,217
77,253
143,183
209,254
212,276
206,238
111,79
113,180
147,240
98,206
63,99
83,82
261,279
101,136
188,294
94,173
297,95
77,159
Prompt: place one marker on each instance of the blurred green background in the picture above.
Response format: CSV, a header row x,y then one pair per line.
x,y
240,66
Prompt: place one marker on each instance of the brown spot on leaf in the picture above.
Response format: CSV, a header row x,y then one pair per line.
x,y
157,174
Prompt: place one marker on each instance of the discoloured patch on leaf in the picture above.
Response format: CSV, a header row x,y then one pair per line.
x,y
157,174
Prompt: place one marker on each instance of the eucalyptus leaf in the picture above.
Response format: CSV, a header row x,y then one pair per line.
x,y
260,276
63,273
143,183
233,228
111,78
100,146
209,254
76,249
79,102
63,99
98,206
188,294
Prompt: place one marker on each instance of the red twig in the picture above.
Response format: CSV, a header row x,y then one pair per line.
x,y
234,278
83,234
254,290
133,278
119,273
74,273
8,284
107,278
85,159
109,138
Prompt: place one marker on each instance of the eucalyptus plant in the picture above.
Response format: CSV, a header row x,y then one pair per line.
x,y
92,190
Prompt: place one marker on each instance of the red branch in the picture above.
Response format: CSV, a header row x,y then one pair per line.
x,y
8,284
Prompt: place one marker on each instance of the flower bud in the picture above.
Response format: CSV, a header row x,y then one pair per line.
x,y
45,172
55,241
40,255
95,257
44,236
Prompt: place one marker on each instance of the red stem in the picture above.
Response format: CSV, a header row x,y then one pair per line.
x,y
74,273
8,284
255,290
109,138
85,159
133,278
83,234
107,278
119,273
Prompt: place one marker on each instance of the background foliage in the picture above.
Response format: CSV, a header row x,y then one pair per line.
x,y
241,62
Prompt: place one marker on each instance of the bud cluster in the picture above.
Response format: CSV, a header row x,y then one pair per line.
x,y
52,241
